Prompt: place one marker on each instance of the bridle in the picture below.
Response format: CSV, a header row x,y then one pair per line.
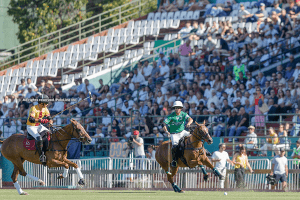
x,y
202,134
76,127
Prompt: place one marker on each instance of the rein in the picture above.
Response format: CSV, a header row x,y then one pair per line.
x,y
58,141
198,139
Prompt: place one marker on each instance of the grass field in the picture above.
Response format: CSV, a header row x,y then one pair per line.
x,y
141,195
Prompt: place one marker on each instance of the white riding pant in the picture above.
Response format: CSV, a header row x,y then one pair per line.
x,y
176,137
34,131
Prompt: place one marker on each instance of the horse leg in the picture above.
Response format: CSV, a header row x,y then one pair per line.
x,y
215,171
174,170
18,168
71,164
14,178
206,177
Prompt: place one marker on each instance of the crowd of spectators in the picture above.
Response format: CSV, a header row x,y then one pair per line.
x,y
214,81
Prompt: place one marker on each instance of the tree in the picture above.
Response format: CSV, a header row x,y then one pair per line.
x,y
39,17
127,12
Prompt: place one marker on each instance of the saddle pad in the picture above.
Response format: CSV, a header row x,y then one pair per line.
x,y
29,144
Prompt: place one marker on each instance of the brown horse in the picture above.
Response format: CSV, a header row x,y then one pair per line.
x,y
13,150
194,154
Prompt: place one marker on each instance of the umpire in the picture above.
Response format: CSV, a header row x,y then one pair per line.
x,y
280,169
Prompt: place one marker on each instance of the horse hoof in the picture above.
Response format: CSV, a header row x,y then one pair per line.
x,y
206,178
24,193
60,176
42,183
81,182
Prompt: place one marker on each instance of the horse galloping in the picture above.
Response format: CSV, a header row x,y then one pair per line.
x,y
194,154
13,150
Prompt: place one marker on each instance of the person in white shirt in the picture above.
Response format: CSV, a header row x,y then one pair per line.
x,y
221,157
137,77
296,72
30,93
32,85
151,152
106,119
139,152
251,138
164,70
126,107
22,87
242,12
213,99
189,76
57,107
147,70
185,30
280,169
110,101
87,86
161,58
265,58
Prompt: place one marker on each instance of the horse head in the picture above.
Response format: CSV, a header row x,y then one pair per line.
x,y
80,133
202,132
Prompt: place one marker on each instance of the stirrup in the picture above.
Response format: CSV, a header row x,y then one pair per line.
x,y
174,163
43,158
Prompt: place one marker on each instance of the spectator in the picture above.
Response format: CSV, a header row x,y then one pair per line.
x,y
30,93
31,84
22,87
241,124
231,121
219,121
221,157
296,155
137,77
271,142
296,123
106,119
239,67
272,111
283,139
185,51
147,69
115,86
138,145
185,30
240,161
280,169
251,138
151,152
242,14
259,117
259,15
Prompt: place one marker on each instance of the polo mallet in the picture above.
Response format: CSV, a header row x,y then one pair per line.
x,y
89,97
169,156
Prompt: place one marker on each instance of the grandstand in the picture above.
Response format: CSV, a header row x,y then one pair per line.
x,y
233,57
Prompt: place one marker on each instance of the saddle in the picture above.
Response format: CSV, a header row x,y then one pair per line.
x,y
29,141
182,145
180,150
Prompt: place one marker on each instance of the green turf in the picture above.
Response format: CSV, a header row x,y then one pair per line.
x,y
141,195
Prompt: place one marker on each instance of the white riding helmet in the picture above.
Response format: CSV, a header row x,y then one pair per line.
x,y
177,104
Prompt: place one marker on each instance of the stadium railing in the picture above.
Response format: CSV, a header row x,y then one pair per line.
x,y
77,31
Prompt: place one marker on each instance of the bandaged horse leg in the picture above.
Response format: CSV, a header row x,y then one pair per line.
x,y
215,170
170,179
35,179
204,172
78,170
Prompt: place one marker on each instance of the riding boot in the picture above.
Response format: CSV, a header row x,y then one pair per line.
x,y
39,146
208,153
174,156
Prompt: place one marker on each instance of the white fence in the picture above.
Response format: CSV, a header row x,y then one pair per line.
x,y
143,173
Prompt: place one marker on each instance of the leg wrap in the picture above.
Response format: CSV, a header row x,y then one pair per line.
x,y
203,169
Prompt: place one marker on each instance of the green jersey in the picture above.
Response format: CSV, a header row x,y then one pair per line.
x,y
176,122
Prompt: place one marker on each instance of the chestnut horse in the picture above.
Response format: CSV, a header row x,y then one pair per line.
x,y
194,154
13,150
